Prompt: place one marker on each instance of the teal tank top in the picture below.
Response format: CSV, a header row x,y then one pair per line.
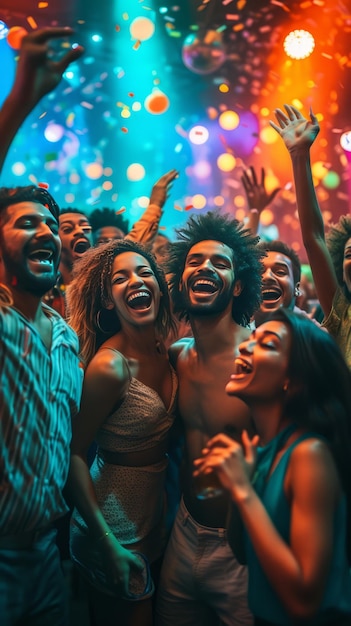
x,y
263,600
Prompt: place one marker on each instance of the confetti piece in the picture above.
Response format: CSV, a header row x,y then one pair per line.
x,y
137,44
42,115
188,207
120,210
326,56
43,185
43,5
124,129
131,94
281,5
32,23
177,207
87,105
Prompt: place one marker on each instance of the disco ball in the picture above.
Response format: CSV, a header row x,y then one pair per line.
x,y
203,53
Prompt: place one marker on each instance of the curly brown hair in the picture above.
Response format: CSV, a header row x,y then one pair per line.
x,y
90,291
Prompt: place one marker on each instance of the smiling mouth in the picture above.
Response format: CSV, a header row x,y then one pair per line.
x,y
42,255
204,285
140,300
271,295
81,246
242,367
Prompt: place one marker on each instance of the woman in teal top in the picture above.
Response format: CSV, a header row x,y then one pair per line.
x,y
293,492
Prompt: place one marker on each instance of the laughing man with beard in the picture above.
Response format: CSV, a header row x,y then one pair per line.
x,y
215,269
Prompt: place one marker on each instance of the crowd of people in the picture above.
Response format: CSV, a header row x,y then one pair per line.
x,y
171,402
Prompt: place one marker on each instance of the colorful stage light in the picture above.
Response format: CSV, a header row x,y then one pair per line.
x,y
299,44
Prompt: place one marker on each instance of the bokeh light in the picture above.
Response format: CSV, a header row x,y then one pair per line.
x,y
203,53
142,28
228,120
299,44
319,170
53,132
218,200
94,170
18,168
199,201
156,102
15,36
226,162
135,172
267,217
268,135
143,201
345,141
198,135
331,180
202,169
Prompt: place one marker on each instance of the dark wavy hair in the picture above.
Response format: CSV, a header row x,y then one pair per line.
x,y
319,393
246,256
90,291
336,238
107,217
277,245
30,193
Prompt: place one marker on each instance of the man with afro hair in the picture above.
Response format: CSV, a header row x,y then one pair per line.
x,y
215,281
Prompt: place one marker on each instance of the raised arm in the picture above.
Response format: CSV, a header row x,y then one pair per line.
x,y
298,134
257,196
146,228
37,74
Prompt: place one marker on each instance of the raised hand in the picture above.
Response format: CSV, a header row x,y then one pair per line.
x,y
162,188
296,131
38,72
256,193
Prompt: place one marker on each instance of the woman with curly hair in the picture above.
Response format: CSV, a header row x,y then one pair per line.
x,y
329,257
294,491
119,306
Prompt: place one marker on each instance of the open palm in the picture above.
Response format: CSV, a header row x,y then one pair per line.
x,y
295,130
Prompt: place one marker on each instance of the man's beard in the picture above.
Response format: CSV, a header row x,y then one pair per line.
x,y
23,280
216,307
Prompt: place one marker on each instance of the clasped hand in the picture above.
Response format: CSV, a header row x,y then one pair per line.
x,y
233,463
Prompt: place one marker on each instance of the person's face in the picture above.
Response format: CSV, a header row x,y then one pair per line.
x,y
278,286
75,235
29,248
135,290
106,234
260,372
160,249
347,265
208,280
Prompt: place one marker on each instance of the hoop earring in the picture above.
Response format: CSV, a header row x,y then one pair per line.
x,y
109,328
